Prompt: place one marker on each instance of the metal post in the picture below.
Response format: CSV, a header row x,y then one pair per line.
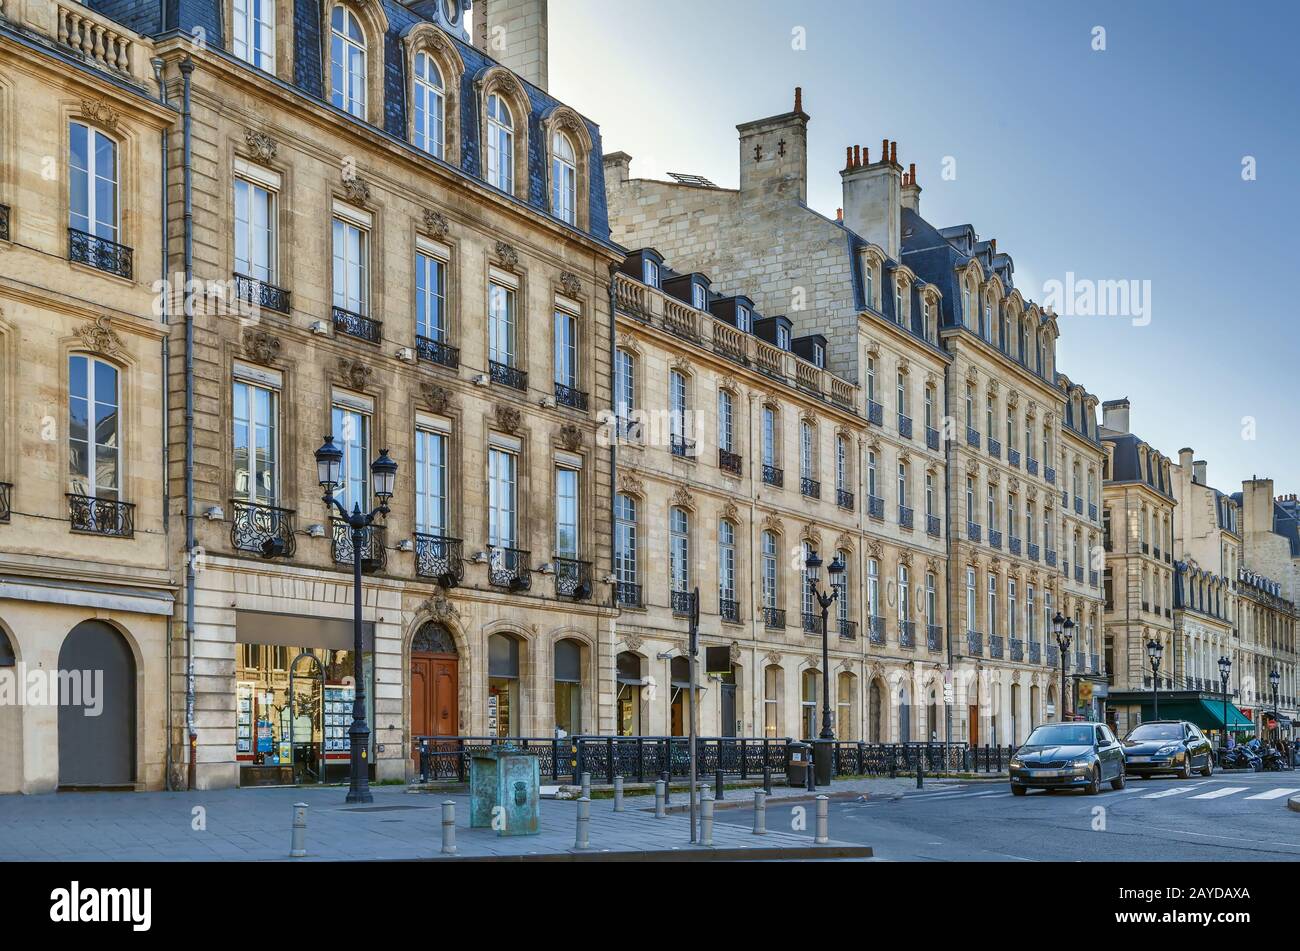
x,y
706,820
666,777
1155,689
582,840
298,840
810,775
618,793
760,812
661,800
449,827
767,779
692,651
823,821
359,732
717,773
586,785
920,767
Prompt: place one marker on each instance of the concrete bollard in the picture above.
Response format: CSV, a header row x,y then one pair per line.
x,y
760,812
449,828
717,785
618,793
298,840
823,821
706,821
661,800
582,841
586,785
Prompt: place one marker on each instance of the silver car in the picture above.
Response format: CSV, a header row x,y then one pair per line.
x,y
1068,756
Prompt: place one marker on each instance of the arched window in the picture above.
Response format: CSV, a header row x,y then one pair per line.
x,y
627,702
772,701
93,206
626,576
679,553
679,674
253,32
844,705
94,428
500,144
504,715
624,390
7,657
770,576
810,683
875,711
564,179
428,129
568,686
347,63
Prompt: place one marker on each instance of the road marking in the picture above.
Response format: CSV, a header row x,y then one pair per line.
x,y
1274,794
1220,793
1169,792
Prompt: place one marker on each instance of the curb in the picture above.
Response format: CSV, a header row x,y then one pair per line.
x,y
693,854
771,802
1293,803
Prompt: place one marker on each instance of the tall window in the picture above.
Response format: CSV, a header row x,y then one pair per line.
x,y
900,389
679,550
624,388
92,182
431,482
566,512
347,62
625,540
873,587
500,144
903,497
771,701
352,432
502,498
1031,612
904,606
970,498
650,272
809,597
430,296
430,106
971,601
970,406
256,443
931,601
993,604
501,324
873,489
1011,428
726,561
566,349
255,228
806,451
1011,607
841,464
677,409
726,421
929,494
564,179
990,418
94,428
871,379
769,436
769,570
254,32
992,508
351,267
929,407
1030,535
842,588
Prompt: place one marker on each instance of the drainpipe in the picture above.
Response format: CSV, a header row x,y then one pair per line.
x,y
187,68
166,376
950,462
613,493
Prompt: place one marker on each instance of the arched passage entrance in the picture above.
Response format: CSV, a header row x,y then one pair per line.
x,y
11,724
97,750
435,682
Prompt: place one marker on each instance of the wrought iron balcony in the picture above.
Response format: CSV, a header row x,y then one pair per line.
x,y
774,618
906,633
875,412
995,448
844,499
681,446
1053,656
1078,573
262,529
876,630
1078,505
972,437
973,531
1092,511
995,646
573,579
568,396
1049,474
4,222
974,644
729,461
875,506
773,476
510,568
995,538
810,488
1049,557
437,352
1031,465
89,515
729,609
100,253
627,594
357,325
812,623
1013,457
934,637
1155,552
374,549
681,602
904,426
439,557
1032,551
261,294
848,629
933,526
1035,652
1013,545
6,504
931,437
1017,649
506,375
905,516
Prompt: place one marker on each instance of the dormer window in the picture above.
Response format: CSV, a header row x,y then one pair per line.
x,y
698,296
898,302
650,272
564,179
870,277
819,356
501,144
743,318
783,338
347,63
254,32
427,130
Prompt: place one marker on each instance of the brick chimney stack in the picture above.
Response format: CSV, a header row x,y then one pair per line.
x,y
873,198
911,190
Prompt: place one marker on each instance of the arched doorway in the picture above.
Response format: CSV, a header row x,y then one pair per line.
x,y
505,699
568,687
876,712
435,682
97,750
904,714
11,726
628,699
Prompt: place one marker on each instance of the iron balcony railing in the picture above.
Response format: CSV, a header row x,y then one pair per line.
x,y
906,633
357,325
510,568
570,397
995,448
99,253
848,629
995,538
1013,545
773,476
844,499
875,412
1031,465
506,375
729,461
374,550
437,351
974,643
681,602
810,488
1078,505
439,557
1078,574
995,646
973,531
876,629
905,517
1032,551
1049,557
933,637
1017,649
573,579
933,526
4,222
1049,474
774,618
262,294
262,529
1092,511
1013,457
1053,655
681,446
972,437
904,426
729,609
90,515
875,506
627,594
1035,652
6,503
931,437
812,623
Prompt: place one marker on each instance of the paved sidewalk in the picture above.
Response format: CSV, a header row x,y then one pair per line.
x,y
254,824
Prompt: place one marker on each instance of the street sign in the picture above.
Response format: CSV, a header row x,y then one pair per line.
x,y
717,660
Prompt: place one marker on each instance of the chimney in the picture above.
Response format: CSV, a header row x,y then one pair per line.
x,y
1185,460
618,166
873,200
839,215
774,156
1256,506
1198,472
1114,415
912,191
514,33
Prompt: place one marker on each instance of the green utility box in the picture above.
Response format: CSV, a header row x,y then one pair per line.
x,y
504,787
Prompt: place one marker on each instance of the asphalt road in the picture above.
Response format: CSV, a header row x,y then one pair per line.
x,y
1236,818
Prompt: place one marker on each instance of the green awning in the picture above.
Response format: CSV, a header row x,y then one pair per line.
x,y
1207,714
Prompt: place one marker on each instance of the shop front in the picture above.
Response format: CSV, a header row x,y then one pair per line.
x,y
295,692
1204,710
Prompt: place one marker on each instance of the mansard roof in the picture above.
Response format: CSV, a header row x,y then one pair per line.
x,y
1126,462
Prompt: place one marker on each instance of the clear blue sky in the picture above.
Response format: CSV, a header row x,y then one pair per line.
x,y
1123,164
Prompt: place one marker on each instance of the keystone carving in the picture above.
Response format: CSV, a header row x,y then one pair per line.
x,y
260,144
507,256
435,222
438,398
356,373
355,188
507,417
100,337
261,346
99,112
571,283
571,436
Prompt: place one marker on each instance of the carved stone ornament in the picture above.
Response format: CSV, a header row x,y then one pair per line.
x,y
875,549
873,350
439,608
260,346
1013,484
932,565
682,499
437,398
355,188
507,417
994,475
435,222
628,342
932,379
633,642
773,523
99,112
571,436
356,373
507,256
905,558
571,283
1013,398
904,456
772,657
1031,410
260,144
730,512
904,366
734,653
844,542
810,534
972,468
628,484
811,663
993,387
972,376
682,365
100,337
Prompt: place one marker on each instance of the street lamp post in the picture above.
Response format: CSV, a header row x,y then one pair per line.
x,y
812,565
1273,679
1155,650
1225,672
1064,628
329,470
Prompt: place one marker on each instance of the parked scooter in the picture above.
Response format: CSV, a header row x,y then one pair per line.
x,y
1271,759
1239,757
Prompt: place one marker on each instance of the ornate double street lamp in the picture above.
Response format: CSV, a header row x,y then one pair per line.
x,y
329,471
1064,628
1155,650
1273,679
1225,673
813,567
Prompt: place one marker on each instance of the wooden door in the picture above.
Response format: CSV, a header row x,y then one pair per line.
x,y
434,687
974,725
